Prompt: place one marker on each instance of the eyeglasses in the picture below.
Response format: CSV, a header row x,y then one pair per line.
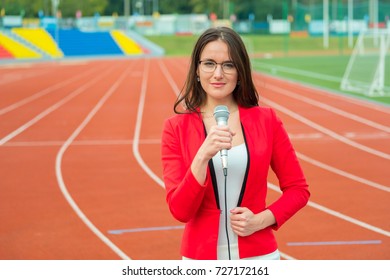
x,y
210,66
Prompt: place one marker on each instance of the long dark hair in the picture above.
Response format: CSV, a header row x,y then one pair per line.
x,y
245,93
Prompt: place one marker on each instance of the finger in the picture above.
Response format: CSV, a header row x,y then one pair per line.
x,y
236,228
238,210
240,232
220,137
223,128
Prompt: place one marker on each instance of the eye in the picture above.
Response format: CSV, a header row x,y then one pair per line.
x,y
209,63
228,65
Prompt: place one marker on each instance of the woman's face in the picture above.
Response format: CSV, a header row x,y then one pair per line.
x,y
219,83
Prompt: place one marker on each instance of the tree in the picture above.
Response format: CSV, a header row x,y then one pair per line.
x,y
260,9
207,7
175,7
68,8
114,6
17,7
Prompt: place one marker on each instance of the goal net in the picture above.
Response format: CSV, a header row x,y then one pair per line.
x,y
366,69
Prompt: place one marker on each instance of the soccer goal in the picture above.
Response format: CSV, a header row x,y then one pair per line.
x,y
366,69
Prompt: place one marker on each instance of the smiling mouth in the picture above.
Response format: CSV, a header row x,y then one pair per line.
x,y
217,84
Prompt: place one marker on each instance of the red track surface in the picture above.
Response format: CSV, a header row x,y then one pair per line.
x,y
80,172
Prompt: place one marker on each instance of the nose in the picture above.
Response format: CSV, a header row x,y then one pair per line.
x,y
218,72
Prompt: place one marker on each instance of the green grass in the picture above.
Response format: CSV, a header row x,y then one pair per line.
x,y
320,71
300,59
182,45
175,45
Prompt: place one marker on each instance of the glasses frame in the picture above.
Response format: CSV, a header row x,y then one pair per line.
x,y
215,66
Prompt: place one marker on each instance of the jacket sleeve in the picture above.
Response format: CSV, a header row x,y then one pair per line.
x,y
184,194
292,182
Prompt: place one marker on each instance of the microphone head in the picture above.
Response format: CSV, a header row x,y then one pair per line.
x,y
221,114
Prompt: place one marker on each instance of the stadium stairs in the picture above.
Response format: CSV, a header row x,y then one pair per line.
x,y
40,40
39,43
17,48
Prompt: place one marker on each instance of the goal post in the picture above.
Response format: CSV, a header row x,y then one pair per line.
x,y
366,69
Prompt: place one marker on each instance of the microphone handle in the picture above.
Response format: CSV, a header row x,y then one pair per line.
x,y
223,152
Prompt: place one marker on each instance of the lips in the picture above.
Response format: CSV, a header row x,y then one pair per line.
x,y
218,84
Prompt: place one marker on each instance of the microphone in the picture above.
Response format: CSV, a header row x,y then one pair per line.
x,y
221,115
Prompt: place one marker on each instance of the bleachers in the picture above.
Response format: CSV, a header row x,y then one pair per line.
x,y
40,39
16,49
74,42
32,43
127,45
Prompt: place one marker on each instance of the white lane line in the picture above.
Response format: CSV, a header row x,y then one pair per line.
x,y
169,78
329,108
338,214
6,78
298,72
44,92
147,229
52,108
326,130
109,142
138,125
342,173
60,178
340,242
286,257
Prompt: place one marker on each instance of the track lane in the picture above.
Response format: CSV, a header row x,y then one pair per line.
x,y
35,78
21,119
346,103
45,90
44,226
355,130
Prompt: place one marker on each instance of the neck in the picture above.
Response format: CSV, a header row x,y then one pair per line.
x,y
208,111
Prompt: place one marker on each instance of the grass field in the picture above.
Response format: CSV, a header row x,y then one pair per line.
x,y
300,59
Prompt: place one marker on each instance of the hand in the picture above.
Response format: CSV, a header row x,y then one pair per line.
x,y
218,138
244,222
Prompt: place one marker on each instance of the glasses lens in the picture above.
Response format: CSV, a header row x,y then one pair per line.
x,y
208,66
228,67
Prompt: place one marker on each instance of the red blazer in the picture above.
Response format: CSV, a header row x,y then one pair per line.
x,y
197,205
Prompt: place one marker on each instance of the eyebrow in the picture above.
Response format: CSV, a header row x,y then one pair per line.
x,y
209,59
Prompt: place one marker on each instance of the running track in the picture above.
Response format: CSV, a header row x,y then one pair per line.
x,y
80,171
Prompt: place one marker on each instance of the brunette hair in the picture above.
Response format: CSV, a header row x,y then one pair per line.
x,y
245,93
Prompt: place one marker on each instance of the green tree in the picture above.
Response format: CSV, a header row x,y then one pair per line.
x,y
87,7
259,8
175,6
17,7
115,6
207,7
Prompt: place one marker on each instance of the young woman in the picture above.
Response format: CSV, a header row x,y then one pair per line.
x,y
226,216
